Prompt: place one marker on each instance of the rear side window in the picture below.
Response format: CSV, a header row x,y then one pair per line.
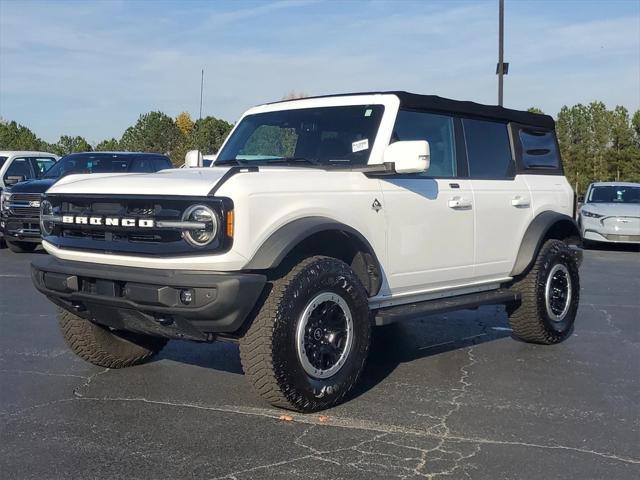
x,y
435,129
539,149
488,149
2,160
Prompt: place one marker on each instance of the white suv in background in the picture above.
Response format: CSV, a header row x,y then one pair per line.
x,y
320,219
611,213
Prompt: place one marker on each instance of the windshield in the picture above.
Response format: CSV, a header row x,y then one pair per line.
x,y
324,136
614,194
106,163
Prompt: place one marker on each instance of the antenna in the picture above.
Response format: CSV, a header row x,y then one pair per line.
x,y
201,89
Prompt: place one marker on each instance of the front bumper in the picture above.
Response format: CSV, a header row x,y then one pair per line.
x,y
150,301
20,229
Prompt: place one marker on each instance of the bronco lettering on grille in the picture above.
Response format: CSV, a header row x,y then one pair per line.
x,y
108,221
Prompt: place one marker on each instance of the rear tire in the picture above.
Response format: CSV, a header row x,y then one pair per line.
x,y
21,247
550,293
308,343
99,345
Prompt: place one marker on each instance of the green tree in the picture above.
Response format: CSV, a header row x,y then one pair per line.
x,y
14,136
535,110
153,132
635,122
68,144
208,134
111,145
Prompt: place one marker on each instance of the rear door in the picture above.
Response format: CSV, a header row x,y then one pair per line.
x,y
430,224
502,200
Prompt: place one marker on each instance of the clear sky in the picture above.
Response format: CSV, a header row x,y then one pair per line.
x,y
90,68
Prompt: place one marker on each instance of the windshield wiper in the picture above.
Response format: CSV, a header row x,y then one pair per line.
x,y
229,161
292,160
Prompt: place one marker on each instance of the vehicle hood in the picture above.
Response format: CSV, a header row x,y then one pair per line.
x,y
614,209
32,186
183,181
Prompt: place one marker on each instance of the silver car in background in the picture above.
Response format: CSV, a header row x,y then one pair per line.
x,y
611,213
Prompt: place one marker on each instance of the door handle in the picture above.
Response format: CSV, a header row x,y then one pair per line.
x,y
520,201
460,203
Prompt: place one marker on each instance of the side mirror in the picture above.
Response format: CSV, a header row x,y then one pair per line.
x,y
411,156
13,180
193,159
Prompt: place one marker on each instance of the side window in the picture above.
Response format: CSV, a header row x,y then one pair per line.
x,y
43,164
488,149
539,149
20,167
435,129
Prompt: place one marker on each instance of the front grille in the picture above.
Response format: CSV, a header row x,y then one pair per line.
x,y
20,204
160,237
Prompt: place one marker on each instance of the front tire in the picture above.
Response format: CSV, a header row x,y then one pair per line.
x,y
550,293
307,345
104,347
21,247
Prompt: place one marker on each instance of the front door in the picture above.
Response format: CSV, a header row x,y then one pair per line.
x,y
430,216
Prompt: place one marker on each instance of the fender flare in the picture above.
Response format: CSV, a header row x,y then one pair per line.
x,y
536,233
286,238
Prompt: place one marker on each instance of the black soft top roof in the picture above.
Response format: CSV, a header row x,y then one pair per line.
x,y
446,105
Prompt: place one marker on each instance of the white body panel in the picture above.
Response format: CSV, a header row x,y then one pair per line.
x,y
196,182
502,214
430,244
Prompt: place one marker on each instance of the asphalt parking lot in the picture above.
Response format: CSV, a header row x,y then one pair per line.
x,y
450,396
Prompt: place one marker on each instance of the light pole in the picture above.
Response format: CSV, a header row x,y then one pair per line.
x,y
201,88
502,67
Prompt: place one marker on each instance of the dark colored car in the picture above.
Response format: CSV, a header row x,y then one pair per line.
x,y
20,204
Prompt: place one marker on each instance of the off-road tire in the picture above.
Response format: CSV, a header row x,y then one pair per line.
x,y
268,348
99,345
529,320
21,247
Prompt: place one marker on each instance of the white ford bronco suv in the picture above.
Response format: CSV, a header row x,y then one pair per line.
x,y
320,219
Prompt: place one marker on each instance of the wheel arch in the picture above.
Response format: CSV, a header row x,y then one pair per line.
x,y
321,236
546,225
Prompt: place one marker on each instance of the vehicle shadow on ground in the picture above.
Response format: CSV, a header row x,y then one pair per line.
x,y
391,345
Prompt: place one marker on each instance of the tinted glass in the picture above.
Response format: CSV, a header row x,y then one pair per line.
x,y
20,167
488,149
2,160
101,163
435,129
148,164
614,194
42,164
539,149
328,135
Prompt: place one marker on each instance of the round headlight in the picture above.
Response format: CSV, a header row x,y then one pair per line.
x,y
46,220
206,231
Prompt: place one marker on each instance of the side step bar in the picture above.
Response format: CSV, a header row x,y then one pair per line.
x,y
388,315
